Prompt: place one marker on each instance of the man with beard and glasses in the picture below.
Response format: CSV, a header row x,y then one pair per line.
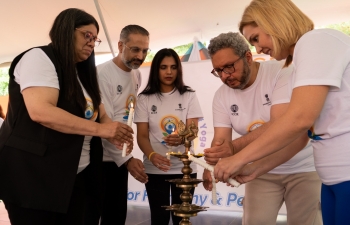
x,y
119,80
253,95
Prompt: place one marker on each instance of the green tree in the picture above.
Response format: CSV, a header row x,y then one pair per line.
x,y
4,81
180,50
343,27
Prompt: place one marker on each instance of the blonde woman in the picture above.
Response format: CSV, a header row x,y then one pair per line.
x,y
320,102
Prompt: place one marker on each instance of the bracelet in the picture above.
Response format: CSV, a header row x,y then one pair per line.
x,y
149,156
127,161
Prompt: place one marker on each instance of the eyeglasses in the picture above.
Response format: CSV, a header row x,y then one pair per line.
x,y
90,37
136,50
229,69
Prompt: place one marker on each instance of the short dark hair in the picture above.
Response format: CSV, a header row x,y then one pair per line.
x,y
153,85
62,40
132,29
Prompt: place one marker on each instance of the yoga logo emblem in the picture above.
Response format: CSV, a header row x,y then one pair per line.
x,y
168,124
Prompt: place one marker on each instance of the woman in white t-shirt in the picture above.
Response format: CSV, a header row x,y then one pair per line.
x,y
320,100
161,105
50,146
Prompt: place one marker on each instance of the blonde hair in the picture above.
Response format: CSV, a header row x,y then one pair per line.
x,y
281,19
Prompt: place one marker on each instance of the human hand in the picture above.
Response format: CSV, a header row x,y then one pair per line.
x,y
248,173
117,133
137,170
207,180
221,149
226,168
160,162
173,140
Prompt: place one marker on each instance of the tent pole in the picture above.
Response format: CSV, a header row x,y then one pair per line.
x,y
104,26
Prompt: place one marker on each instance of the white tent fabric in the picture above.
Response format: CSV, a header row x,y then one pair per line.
x,y
26,24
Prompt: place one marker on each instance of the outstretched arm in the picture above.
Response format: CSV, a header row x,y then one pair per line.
x,y
41,103
304,108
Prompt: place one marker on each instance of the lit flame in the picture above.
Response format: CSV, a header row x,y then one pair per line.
x,y
188,153
131,105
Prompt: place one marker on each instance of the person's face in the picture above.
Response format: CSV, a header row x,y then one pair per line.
x,y
262,41
167,73
134,52
240,78
84,47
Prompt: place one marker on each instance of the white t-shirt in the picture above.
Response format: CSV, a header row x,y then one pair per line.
x,y
1,121
35,69
118,89
162,115
246,110
322,57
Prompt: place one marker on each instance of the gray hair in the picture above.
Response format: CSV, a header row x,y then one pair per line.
x,y
132,29
235,41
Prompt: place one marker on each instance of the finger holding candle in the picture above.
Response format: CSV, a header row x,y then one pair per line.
x,y
203,164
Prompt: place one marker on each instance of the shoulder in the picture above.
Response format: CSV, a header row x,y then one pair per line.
x,y
34,60
142,97
273,67
322,38
104,66
107,72
36,54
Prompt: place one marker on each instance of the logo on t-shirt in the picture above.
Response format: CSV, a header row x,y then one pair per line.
x,y
268,102
90,113
168,124
234,109
180,108
119,89
154,109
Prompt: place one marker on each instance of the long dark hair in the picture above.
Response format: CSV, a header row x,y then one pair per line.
x,y
153,85
62,40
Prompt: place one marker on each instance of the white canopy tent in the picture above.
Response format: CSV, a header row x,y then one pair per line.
x,y
26,23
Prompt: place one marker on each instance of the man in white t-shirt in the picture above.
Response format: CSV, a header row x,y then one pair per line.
x,y
252,96
119,81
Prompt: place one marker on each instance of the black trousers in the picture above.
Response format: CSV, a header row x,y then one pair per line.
x,y
158,191
114,193
75,215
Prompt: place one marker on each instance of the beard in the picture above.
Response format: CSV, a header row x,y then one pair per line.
x,y
245,77
130,63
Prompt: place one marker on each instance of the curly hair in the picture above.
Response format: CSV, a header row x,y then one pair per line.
x,y
235,41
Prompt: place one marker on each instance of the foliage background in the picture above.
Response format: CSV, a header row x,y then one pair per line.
x,y
4,81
